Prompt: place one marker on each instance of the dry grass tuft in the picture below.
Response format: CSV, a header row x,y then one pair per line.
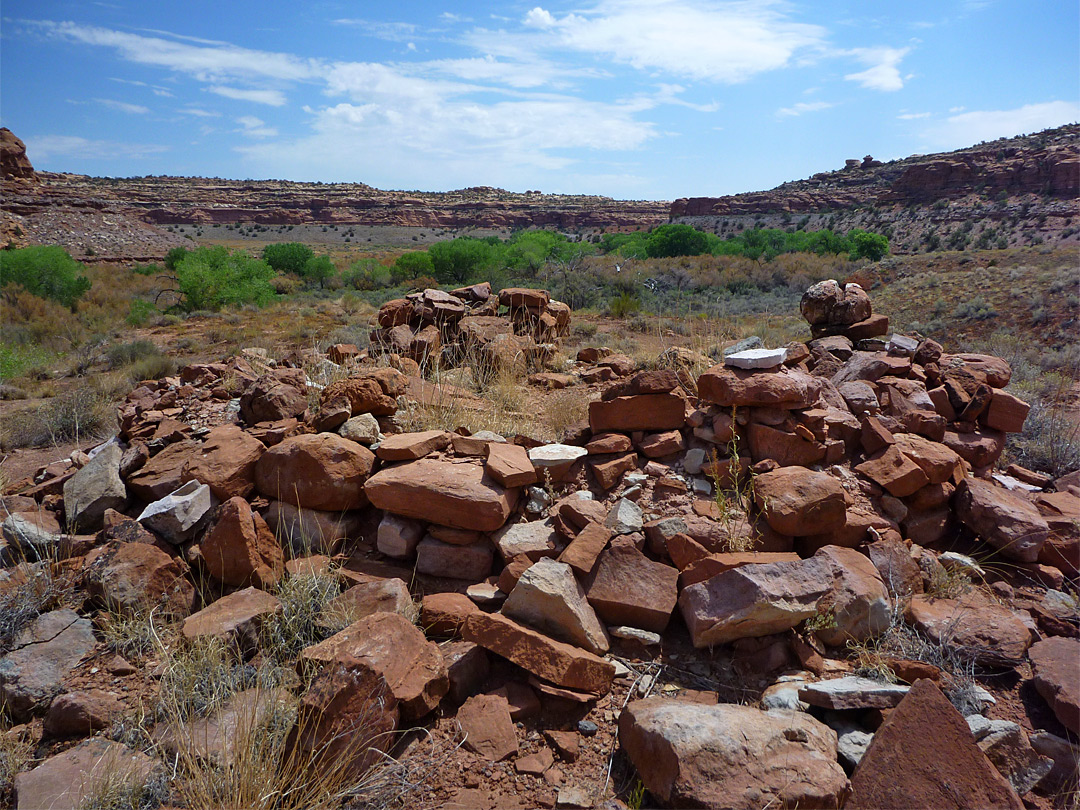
x,y
302,620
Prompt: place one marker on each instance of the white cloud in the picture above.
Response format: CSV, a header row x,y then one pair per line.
x,y
723,42
539,18
803,107
912,116
255,127
274,98
41,148
199,113
123,106
883,72
972,127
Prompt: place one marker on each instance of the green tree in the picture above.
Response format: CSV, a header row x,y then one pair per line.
x,y
412,265
212,277
318,269
174,256
675,240
865,245
46,271
288,257
457,260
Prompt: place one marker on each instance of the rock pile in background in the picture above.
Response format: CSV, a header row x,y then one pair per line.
x,y
855,468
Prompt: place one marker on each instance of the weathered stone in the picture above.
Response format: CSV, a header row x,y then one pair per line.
x,y
797,501
373,392
625,517
178,515
436,558
40,657
1054,662
239,549
753,600
979,448
1009,749
444,492
583,552
392,646
310,531
534,539
235,619
488,729
270,399
398,536
610,471
225,462
444,614
627,588
732,756
315,471
923,755
467,666
1006,412
658,445
1006,521
554,661
81,713
411,446
990,634
894,471
936,460
366,598
132,577
785,388
640,412
95,488
853,692
858,600
363,429
756,358
509,464
70,780
786,449
548,598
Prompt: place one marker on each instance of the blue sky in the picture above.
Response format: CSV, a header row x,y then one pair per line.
x,y
642,99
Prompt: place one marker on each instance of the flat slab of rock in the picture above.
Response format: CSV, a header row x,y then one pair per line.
x,y
460,495
411,446
66,781
853,692
1056,664
509,464
315,471
641,412
756,358
235,618
753,600
41,656
726,755
225,462
554,661
95,488
786,388
797,501
924,755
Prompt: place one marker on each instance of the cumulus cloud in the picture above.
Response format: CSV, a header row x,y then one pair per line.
x,y
883,72
967,128
255,127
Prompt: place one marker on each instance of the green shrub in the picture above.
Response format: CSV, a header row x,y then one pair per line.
x,y
139,312
676,240
458,260
865,245
623,305
367,274
288,257
412,265
123,354
211,277
174,257
318,269
45,271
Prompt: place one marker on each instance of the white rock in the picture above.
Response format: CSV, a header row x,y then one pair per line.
x,y
646,637
1014,484
176,516
625,517
694,460
554,455
398,536
363,429
702,486
535,538
756,358
549,598
852,745
954,561
853,692
902,343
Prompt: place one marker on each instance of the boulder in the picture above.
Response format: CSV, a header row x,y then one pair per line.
x,y
858,600
439,559
534,539
239,549
555,661
1009,749
373,392
639,412
979,448
40,657
509,464
982,630
270,399
315,471
81,713
365,598
225,462
627,588
1006,521
178,515
444,614
796,501
754,600
783,387
935,459
363,429
132,577
1054,662
924,755
731,756
582,554
95,488
72,780
236,619
1006,412
549,598
449,493
411,446
310,531
894,471
487,727
163,473
398,536
390,645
